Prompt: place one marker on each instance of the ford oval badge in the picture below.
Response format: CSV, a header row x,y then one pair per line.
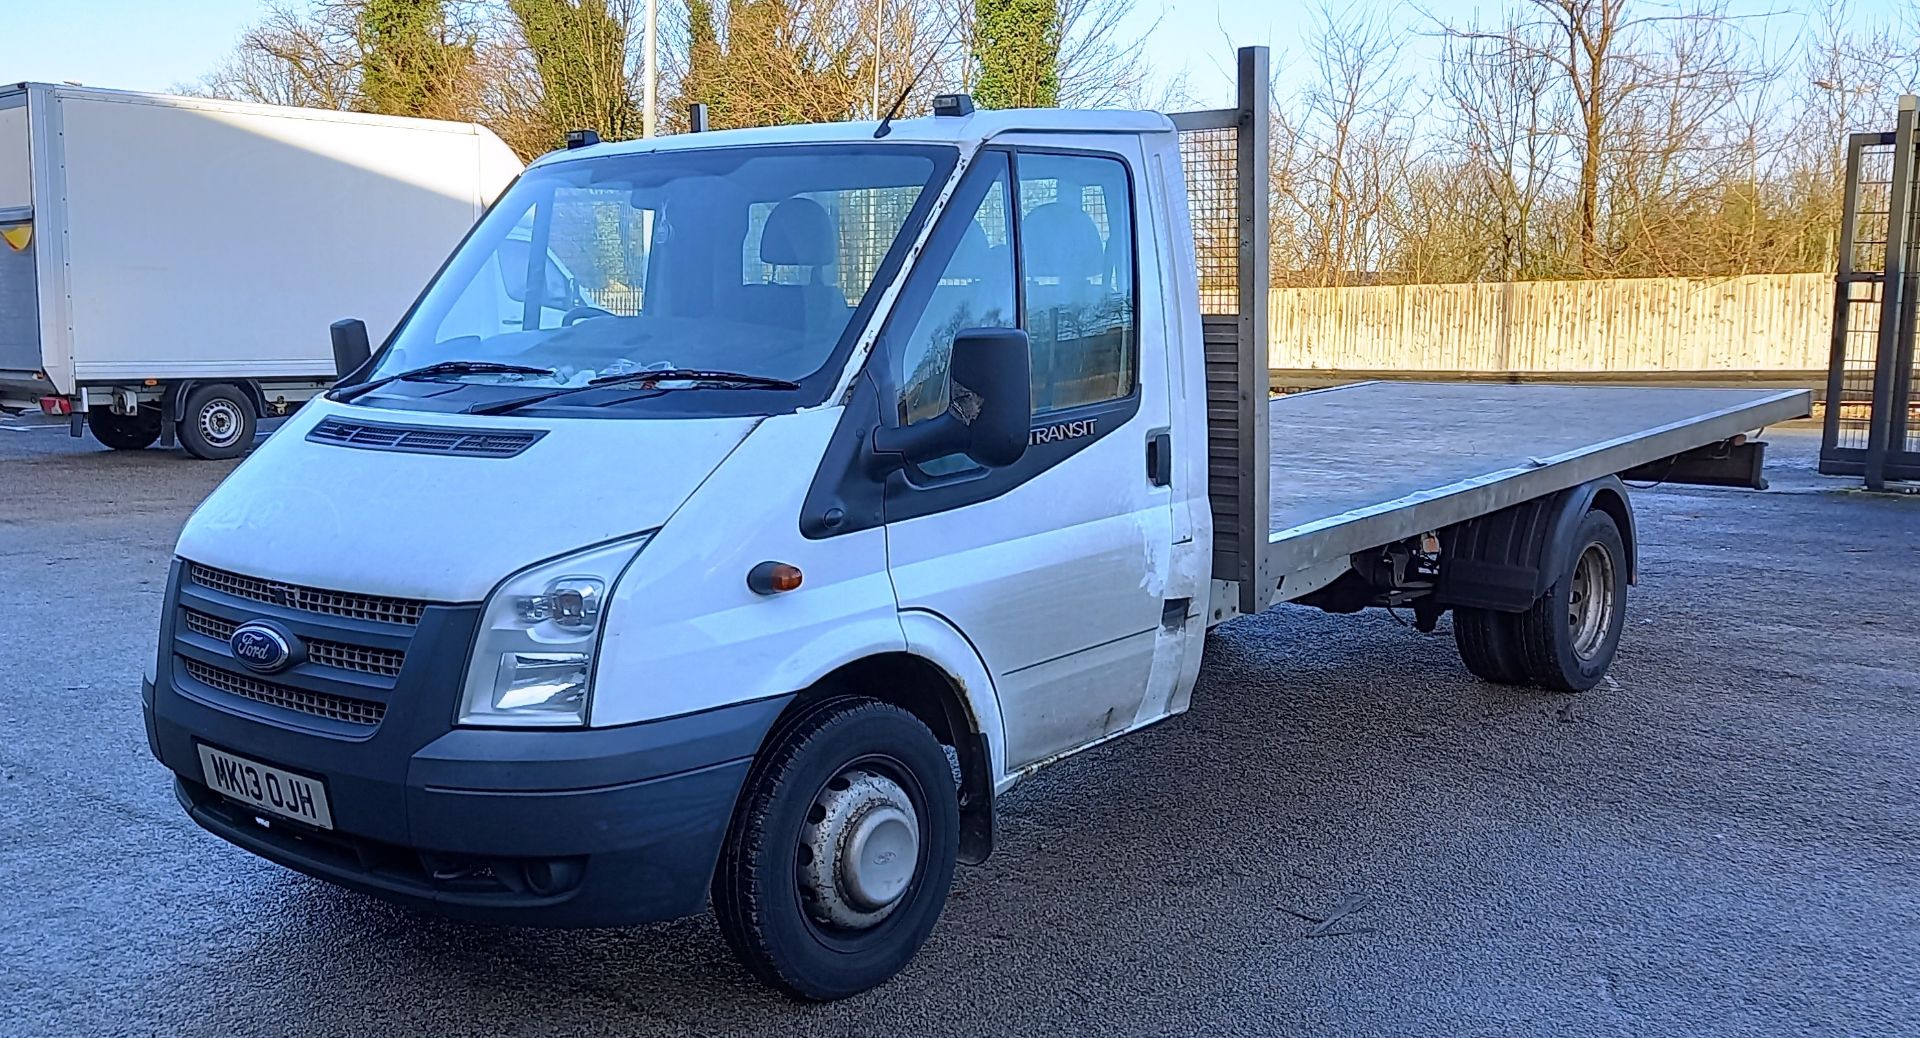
x,y
262,647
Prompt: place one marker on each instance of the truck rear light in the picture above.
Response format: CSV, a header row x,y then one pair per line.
x,y
56,405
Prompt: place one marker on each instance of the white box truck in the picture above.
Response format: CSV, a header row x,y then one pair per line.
x,y
881,467
168,264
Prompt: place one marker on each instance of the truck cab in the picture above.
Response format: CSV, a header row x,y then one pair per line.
x,y
829,489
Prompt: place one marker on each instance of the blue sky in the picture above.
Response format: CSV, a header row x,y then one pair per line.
x,y
131,44
136,44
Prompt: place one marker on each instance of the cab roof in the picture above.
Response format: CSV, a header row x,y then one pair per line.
x,y
966,131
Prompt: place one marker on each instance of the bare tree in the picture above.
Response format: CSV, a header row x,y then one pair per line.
x,y
1101,63
291,57
1505,126
1850,69
1648,87
1343,147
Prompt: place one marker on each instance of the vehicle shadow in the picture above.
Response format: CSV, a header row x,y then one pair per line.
x,y
1347,835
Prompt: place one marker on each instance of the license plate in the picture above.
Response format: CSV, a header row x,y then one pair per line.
x,y
270,789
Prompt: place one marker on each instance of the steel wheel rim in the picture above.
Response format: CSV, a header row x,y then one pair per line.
x,y
1590,604
220,423
878,810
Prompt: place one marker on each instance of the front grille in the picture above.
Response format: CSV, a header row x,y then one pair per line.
x,y
209,626
312,600
425,439
383,662
315,704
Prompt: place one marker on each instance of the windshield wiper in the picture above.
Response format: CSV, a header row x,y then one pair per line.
x,y
445,367
694,375
718,379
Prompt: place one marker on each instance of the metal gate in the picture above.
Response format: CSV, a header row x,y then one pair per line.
x,y
1872,429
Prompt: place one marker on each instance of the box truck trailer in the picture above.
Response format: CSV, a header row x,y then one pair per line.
x,y
168,264
906,461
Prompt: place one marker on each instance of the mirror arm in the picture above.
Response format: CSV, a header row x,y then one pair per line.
x,y
894,447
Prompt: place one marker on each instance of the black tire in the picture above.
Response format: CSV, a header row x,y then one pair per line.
x,y
1485,639
217,422
773,928
1562,644
123,432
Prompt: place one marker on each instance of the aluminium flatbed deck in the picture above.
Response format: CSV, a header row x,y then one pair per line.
x,y
1359,466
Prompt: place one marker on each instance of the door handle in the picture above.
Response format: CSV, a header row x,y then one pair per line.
x,y
1160,458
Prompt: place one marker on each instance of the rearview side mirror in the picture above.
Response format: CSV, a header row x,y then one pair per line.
x,y
350,349
989,409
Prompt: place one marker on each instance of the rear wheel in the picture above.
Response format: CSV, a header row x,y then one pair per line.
x,y
841,852
1485,639
124,432
216,422
1568,638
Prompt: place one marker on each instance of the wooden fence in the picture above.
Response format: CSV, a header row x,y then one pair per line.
x,y
1752,326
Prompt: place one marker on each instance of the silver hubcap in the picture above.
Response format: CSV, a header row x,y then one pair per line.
x,y
1590,607
220,423
858,850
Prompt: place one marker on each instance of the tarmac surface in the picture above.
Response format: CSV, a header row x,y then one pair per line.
x,y
1348,835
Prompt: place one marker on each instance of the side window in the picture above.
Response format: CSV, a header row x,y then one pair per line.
x,y
1077,259
974,290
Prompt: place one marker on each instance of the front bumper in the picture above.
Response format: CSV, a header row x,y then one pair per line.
x,y
577,827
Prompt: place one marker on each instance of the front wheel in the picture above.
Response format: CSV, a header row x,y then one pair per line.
x,y
841,852
1567,639
217,422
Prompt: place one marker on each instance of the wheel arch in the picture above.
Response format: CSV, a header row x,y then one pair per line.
x,y
1506,560
175,397
1610,496
943,697
1606,494
173,400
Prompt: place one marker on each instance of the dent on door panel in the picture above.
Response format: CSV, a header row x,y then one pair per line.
x,y
1107,681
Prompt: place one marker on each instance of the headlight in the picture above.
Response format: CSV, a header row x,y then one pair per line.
x,y
533,661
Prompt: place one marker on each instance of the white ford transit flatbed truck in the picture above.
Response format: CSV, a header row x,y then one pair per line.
x,y
849,475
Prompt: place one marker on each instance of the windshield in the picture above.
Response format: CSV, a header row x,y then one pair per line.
x,y
752,260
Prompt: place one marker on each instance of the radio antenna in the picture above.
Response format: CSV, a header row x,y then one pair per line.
x,y
886,121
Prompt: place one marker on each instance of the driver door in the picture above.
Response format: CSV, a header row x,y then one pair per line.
x,y
1053,567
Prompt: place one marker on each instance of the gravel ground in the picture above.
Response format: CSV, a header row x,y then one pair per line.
x,y
1719,840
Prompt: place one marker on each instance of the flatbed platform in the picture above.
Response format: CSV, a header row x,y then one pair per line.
x,y
1362,465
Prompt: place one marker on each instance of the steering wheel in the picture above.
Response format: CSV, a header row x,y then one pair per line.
x,y
581,313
